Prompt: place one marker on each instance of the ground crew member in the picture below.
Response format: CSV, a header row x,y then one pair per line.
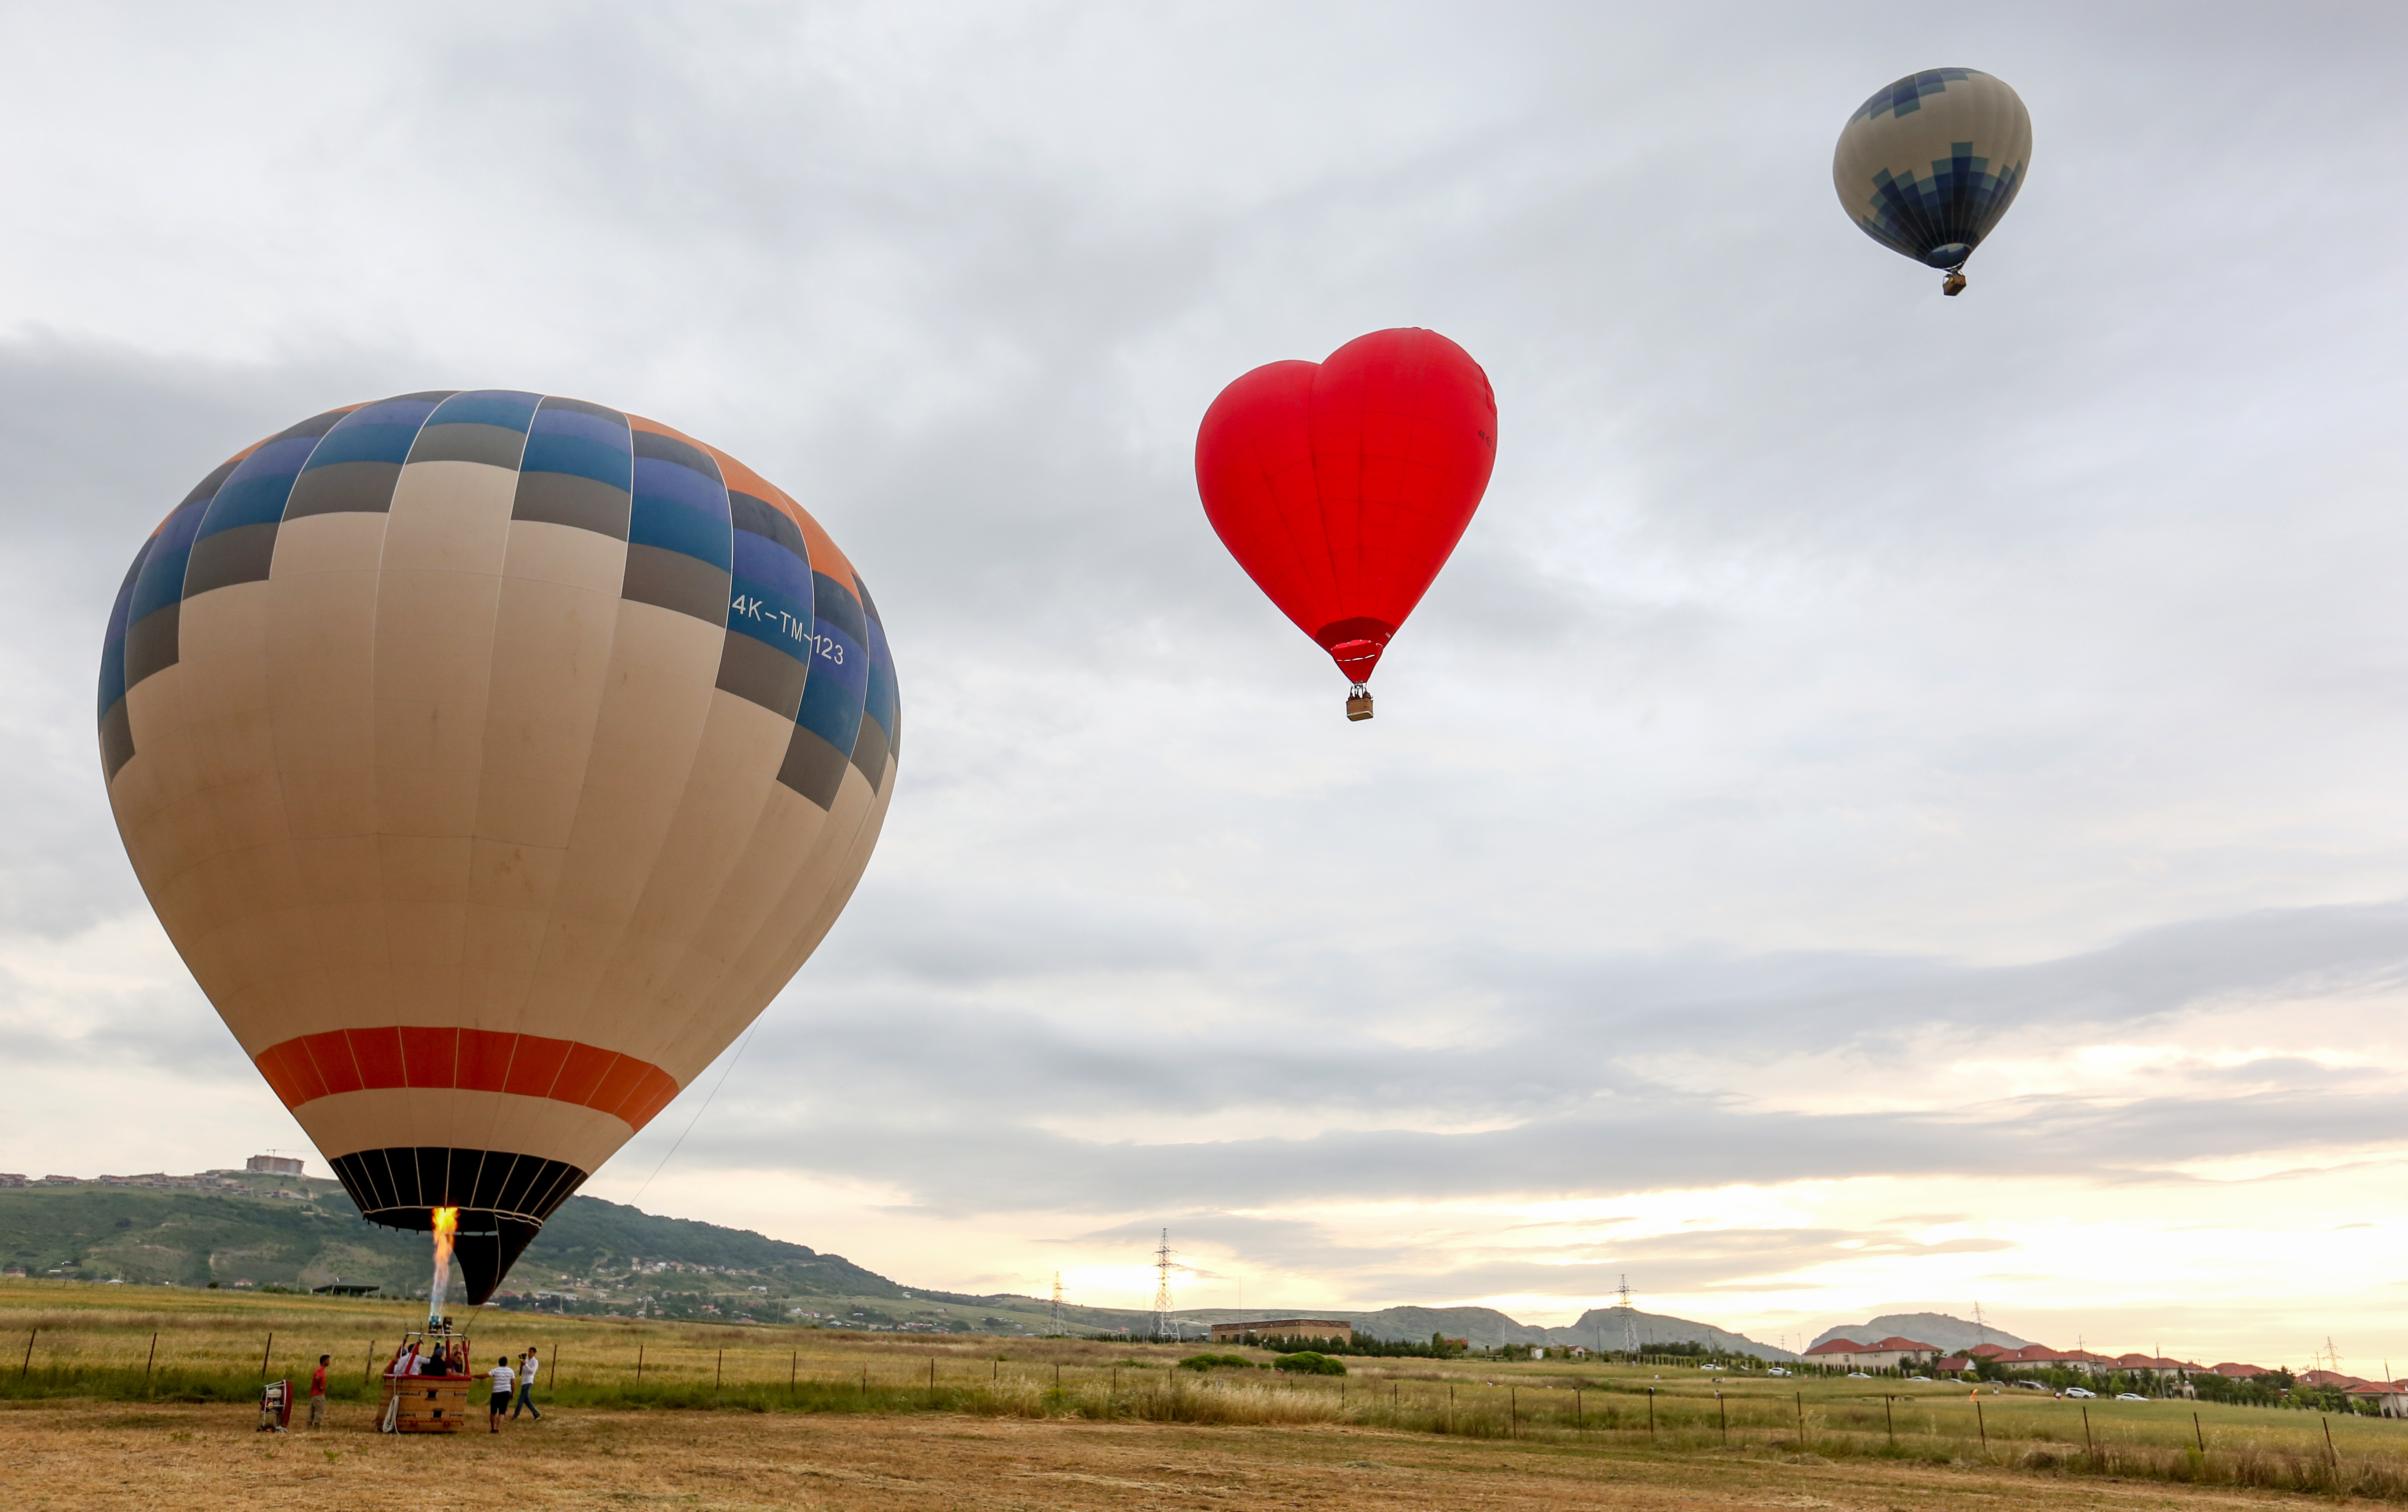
x,y
528,1365
318,1391
503,1377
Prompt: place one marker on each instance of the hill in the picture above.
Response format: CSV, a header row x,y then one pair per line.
x,y
1948,1333
1599,1328
234,1229
240,1231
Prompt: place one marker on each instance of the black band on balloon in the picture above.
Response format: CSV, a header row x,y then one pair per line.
x,y
503,1199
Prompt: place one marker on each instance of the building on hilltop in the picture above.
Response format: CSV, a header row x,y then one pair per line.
x,y
272,1165
1284,1328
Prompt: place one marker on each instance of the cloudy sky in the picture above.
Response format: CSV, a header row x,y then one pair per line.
x,y
1895,801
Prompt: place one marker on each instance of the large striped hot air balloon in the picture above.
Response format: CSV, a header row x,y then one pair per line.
x,y
1928,164
493,758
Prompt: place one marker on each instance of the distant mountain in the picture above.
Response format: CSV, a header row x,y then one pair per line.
x,y
235,1229
1947,1332
239,1230
1599,1328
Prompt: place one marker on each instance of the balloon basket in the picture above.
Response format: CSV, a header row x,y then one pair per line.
x,y
1953,285
428,1404
1359,703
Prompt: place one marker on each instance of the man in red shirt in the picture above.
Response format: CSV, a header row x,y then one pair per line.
x,y
318,1391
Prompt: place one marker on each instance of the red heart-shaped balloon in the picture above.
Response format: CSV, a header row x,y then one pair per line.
x,y
1342,486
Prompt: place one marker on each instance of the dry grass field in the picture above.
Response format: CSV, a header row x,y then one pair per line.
x,y
116,1395
204,1460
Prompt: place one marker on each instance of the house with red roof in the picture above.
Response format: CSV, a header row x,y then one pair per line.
x,y
1892,1353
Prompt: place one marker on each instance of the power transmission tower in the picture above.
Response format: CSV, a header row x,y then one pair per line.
x,y
1629,1322
1981,1328
1162,1287
1053,1324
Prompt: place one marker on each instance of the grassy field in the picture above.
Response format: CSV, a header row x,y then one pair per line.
x,y
190,1362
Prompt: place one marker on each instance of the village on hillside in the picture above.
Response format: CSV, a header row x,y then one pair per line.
x,y
2082,1372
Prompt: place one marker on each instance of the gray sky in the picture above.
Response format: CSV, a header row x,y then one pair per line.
x,y
1896,800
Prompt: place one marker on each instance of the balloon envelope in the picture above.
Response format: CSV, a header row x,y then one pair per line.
x,y
492,758
1342,487
1928,164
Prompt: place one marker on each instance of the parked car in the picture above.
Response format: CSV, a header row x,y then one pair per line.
x,y
1776,1371
2130,1396
1858,1376
2028,1386
2076,1391
1925,1379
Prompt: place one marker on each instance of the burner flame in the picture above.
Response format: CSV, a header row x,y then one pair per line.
x,y
447,1224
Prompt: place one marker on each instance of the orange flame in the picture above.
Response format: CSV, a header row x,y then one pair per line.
x,y
447,1224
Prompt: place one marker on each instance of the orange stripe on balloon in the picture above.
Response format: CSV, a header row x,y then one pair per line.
x,y
311,1066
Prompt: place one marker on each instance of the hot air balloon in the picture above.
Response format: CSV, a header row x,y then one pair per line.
x,y
1342,486
493,758
1928,166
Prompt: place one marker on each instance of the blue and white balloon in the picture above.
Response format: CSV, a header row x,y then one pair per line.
x,y
1929,164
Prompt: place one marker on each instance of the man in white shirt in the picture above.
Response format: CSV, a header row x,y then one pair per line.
x,y
502,1376
528,1365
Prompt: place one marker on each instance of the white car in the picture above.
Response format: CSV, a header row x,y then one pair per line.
x,y
1710,1367
1858,1376
1776,1371
2076,1391
2130,1396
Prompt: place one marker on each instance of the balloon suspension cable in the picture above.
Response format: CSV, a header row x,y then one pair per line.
x,y
1358,702
698,1112
1953,284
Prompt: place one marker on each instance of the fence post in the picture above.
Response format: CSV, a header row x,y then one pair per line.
x,y
1979,1425
2199,1433
1889,1417
1802,1420
1723,1409
1513,1412
719,1371
263,1354
28,1362
1580,1420
155,1354
1651,1412
932,1373
794,1363
2089,1446
2329,1443
864,1383
639,1364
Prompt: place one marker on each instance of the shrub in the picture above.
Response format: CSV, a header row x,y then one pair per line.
x,y
1310,1364
1214,1362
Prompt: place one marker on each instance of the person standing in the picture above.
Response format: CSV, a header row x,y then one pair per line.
x,y
529,1363
502,1376
318,1391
